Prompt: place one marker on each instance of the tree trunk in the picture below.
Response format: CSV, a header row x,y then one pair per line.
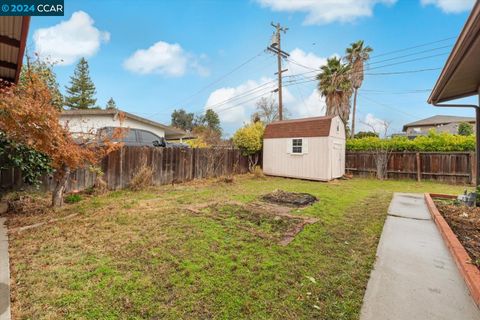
x,y
57,195
381,161
354,111
252,162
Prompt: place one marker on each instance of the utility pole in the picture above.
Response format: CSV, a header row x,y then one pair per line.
x,y
275,47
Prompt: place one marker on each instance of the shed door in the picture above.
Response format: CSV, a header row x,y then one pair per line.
x,y
338,160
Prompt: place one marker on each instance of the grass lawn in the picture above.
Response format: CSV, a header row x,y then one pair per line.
x,y
142,255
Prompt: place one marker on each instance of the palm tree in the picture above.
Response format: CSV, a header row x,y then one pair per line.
x,y
356,55
335,85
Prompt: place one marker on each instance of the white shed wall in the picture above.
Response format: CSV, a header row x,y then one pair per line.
x,y
337,149
314,165
91,123
324,159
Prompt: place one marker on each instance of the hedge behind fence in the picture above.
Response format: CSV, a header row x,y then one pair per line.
x,y
433,142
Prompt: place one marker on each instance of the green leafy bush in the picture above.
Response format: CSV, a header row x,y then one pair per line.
x,y
465,129
73,198
31,163
433,142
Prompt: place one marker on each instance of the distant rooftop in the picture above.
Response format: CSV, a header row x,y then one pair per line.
x,y
171,132
437,120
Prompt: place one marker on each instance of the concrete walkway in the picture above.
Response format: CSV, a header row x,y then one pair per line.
x,y
415,277
4,273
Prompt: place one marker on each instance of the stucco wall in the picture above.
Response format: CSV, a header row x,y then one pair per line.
x,y
91,123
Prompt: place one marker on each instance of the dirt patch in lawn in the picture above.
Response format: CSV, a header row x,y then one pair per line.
x,y
266,221
295,199
465,223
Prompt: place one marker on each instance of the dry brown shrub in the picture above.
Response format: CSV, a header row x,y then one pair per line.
x,y
142,179
25,204
227,179
258,173
100,186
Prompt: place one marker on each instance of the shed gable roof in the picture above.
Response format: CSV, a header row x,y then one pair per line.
x,y
296,128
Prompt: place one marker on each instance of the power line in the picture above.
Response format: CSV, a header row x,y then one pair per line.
x,y
313,78
389,107
242,95
384,60
300,93
397,91
409,55
382,66
223,76
414,47
401,72
242,103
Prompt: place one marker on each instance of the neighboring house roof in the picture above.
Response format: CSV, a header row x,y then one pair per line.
x,y
170,132
296,128
460,76
13,37
438,120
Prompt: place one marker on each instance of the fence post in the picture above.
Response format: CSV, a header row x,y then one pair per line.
x,y
419,168
473,168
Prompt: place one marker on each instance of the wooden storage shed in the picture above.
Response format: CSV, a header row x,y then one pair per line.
x,y
310,148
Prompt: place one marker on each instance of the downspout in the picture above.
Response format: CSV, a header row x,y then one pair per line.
x,y
477,131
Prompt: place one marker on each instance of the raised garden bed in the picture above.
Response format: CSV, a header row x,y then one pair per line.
x,y
459,227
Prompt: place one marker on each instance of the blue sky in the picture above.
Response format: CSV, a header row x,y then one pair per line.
x,y
155,56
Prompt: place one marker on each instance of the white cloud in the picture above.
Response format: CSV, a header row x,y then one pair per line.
x,y
304,61
69,40
166,59
370,122
235,105
312,106
450,6
326,11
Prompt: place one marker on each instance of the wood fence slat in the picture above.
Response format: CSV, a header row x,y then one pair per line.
x,y
452,167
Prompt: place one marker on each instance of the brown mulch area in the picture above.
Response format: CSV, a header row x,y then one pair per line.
x,y
290,198
465,223
283,225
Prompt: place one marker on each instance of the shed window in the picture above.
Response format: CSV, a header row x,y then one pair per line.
x,y
297,145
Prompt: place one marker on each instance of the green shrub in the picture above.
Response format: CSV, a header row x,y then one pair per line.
x,y
433,142
31,163
465,129
73,198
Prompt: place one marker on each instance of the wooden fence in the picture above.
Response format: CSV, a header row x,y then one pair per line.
x,y
451,167
170,165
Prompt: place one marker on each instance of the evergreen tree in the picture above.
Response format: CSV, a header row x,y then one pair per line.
x,y
212,121
111,104
44,70
81,93
465,129
183,120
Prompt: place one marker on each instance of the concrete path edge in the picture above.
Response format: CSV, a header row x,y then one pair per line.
x,y
4,273
469,272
